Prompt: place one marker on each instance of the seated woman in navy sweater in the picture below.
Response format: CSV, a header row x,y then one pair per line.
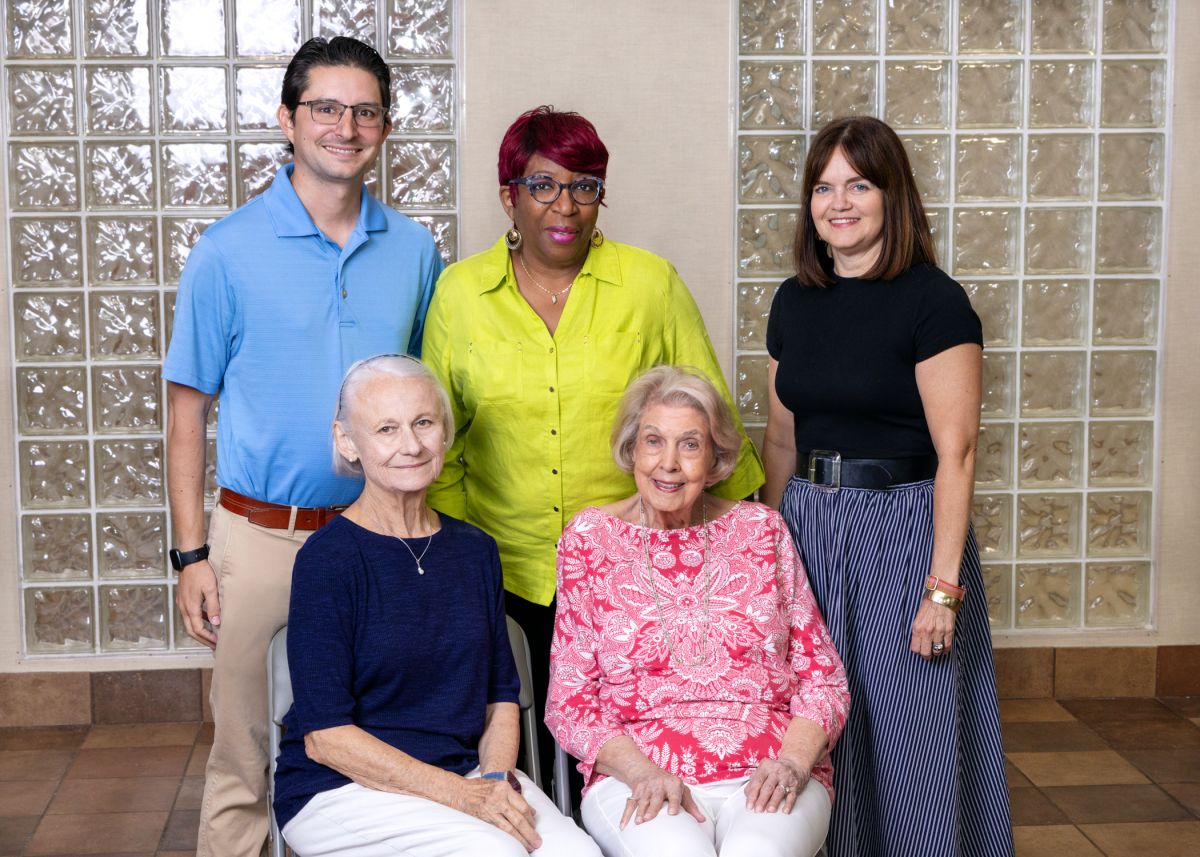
x,y
404,732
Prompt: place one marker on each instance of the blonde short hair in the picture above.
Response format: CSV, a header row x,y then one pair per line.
x,y
677,387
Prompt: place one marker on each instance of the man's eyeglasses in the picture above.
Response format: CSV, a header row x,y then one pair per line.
x,y
325,112
543,189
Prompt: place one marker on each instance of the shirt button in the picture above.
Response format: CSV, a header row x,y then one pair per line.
x,y
556,508
551,389
551,349
343,293
554,470
553,431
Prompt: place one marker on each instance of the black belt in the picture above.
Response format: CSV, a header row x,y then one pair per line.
x,y
827,469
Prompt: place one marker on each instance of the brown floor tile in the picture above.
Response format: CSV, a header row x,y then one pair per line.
x,y
146,696
1116,804
176,854
1063,841
1015,778
119,762
198,761
15,832
34,764
1118,671
128,794
45,699
1167,766
205,690
1094,767
1099,710
43,738
103,833
1032,711
1030,807
191,790
180,833
1044,737
205,735
1024,673
1184,706
1187,794
25,797
1161,839
142,735
1134,735
1178,670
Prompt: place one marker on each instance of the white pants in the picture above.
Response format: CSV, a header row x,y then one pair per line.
x,y
729,829
355,820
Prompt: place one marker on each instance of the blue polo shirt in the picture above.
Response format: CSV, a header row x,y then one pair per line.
x,y
269,316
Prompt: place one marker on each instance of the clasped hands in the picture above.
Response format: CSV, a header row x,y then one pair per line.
x,y
497,803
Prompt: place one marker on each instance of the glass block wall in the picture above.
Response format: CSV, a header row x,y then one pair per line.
x,y
129,126
1038,133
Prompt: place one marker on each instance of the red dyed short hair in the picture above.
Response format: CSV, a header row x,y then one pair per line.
x,y
562,136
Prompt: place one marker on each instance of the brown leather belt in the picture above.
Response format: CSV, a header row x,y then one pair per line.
x,y
276,517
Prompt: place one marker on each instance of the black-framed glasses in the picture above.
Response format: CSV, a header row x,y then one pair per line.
x,y
543,189
326,112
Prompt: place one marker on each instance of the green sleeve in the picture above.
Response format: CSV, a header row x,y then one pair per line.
x,y
448,493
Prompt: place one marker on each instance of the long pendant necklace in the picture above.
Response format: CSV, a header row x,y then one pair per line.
x,y
658,598
417,559
533,279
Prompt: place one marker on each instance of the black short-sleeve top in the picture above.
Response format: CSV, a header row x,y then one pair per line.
x,y
847,355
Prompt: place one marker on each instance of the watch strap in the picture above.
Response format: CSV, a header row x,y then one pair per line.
x,y
182,559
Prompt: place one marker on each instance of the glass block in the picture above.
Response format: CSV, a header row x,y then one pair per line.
x,y
193,99
771,27
770,169
179,236
918,94
129,472
985,240
1048,525
918,26
1052,383
989,94
1135,26
58,621
116,28
420,28
1117,594
750,383
1047,596
1132,166
1063,26
843,89
753,307
765,241
771,95
268,28
46,251
195,175
48,326
41,100
133,618
117,99
1123,383
54,474
43,176
1133,93
1060,167
843,26
127,398
988,168
995,301
169,296
132,544
994,456
423,98
210,467
445,233
124,325
939,230
1057,240
421,174
193,28
1055,312
1061,94
122,250
56,547
256,94
119,175
999,384
991,516
990,26
51,400
1128,240
39,28
997,585
1119,524
354,18
1051,455
1120,453
1125,312
257,165
930,160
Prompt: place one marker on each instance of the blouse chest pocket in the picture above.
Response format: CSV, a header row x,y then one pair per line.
x,y
614,359
495,372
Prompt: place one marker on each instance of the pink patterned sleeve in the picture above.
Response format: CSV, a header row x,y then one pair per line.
x,y
574,712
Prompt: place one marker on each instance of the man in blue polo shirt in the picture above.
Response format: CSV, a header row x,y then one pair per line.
x,y
275,303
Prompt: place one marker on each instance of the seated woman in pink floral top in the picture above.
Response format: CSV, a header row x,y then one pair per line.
x,y
691,668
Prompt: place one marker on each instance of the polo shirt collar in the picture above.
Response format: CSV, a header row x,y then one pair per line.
x,y
292,220
602,263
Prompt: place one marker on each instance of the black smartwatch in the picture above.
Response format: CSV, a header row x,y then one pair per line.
x,y
507,776
179,558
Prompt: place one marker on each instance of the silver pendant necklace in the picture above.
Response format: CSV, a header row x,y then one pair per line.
x,y
533,279
658,598
417,559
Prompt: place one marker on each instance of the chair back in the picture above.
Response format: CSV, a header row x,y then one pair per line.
x,y
279,701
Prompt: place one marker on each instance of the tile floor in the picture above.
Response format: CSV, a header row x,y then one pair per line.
x,y
1111,777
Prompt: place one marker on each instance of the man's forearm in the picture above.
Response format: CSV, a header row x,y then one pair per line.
x,y
187,416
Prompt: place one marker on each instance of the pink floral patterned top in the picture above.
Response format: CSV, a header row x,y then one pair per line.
x,y
705,684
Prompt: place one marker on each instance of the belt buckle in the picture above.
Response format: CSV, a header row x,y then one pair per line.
x,y
835,469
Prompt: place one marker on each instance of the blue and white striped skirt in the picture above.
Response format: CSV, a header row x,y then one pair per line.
x,y
919,770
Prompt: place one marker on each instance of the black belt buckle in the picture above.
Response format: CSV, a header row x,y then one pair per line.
x,y
833,471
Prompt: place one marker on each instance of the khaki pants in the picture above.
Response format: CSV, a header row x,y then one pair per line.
x,y
254,572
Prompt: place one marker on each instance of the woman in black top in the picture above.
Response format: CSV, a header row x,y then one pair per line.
x,y
870,455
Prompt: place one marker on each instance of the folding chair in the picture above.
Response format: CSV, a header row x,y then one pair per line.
x,y
279,701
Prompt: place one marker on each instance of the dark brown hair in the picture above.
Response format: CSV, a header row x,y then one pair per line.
x,y
876,154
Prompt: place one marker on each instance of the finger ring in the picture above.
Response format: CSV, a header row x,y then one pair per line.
x,y
938,648
787,790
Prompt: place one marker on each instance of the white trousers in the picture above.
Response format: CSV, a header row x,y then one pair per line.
x,y
729,829
356,821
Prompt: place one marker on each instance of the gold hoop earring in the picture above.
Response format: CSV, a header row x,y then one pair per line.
x,y
513,238
597,238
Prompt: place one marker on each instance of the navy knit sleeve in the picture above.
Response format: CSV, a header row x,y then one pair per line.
x,y
504,684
